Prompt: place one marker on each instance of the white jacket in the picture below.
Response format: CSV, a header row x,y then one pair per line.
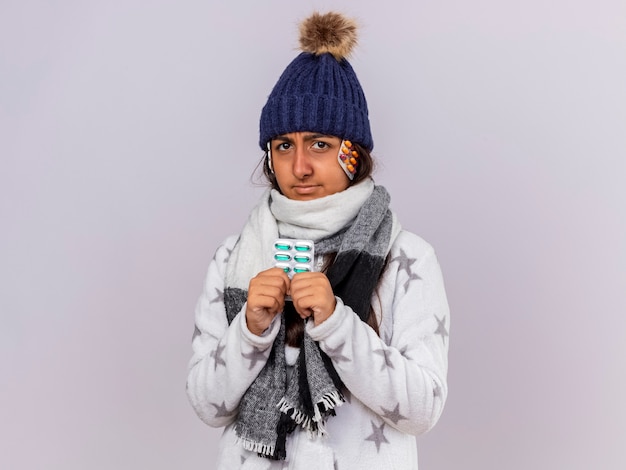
x,y
396,382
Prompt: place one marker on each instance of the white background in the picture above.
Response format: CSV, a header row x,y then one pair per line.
x,y
128,136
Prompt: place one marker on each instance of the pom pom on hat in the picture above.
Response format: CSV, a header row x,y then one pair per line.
x,y
319,91
329,33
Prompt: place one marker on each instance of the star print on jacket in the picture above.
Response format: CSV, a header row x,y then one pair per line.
x,y
385,353
196,332
405,264
437,391
441,328
217,355
254,356
219,298
228,251
393,415
221,410
335,353
377,436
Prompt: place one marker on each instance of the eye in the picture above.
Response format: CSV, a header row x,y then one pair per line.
x,y
283,146
319,145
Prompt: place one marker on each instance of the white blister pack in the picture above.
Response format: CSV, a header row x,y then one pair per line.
x,y
294,256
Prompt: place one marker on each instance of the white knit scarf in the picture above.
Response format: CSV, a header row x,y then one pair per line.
x,y
276,215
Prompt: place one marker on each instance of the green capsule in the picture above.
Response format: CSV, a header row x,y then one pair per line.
x,y
301,269
284,266
302,258
303,247
282,257
282,246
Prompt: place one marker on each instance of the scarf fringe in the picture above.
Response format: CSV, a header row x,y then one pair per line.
x,y
295,414
258,447
315,425
329,402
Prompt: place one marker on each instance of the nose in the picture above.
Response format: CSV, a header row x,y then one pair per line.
x,y
301,163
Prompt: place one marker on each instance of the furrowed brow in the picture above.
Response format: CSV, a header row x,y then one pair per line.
x,y
310,137
283,138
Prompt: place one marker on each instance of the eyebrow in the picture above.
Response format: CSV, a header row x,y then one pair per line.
x,y
307,137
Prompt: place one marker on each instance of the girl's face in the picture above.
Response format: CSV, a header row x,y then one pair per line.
x,y
306,167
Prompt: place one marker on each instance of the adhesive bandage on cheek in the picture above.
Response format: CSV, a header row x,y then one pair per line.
x,y
348,158
294,256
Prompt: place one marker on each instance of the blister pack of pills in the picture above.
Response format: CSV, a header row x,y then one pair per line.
x,y
348,158
294,256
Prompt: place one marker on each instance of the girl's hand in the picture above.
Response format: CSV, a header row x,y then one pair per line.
x,y
266,299
313,296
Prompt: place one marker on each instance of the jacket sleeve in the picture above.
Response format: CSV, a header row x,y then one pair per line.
x,y
226,358
401,375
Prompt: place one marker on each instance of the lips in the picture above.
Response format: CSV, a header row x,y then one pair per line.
x,y
305,189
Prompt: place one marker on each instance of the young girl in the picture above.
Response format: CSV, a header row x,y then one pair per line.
x,y
339,366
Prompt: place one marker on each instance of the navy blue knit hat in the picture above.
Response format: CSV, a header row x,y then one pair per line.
x,y
319,91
